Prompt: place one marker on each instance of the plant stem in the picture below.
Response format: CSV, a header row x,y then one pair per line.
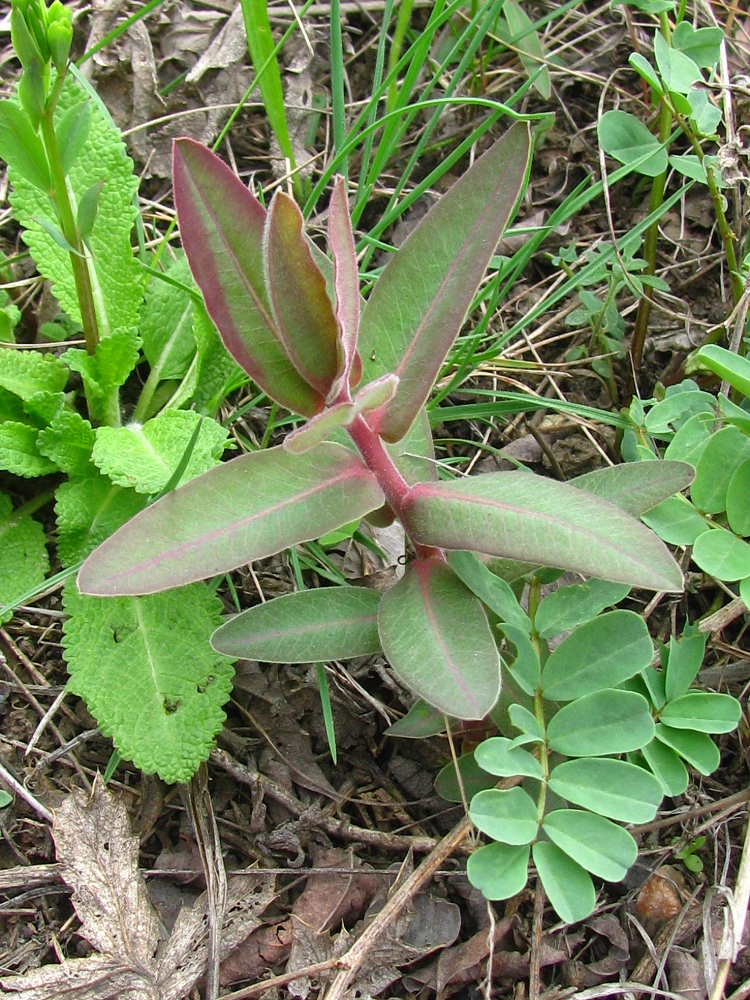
x,y
61,201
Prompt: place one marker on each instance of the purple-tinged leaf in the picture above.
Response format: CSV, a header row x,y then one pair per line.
x,y
521,516
438,641
333,623
346,279
247,509
221,225
297,290
636,487
420,301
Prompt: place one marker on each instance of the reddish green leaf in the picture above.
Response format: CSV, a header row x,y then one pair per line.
x,y
221,224
346,277
636,487
420,301
297,290
437,639
247,509
521,516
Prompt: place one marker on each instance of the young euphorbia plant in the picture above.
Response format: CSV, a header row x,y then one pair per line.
x,y
361,376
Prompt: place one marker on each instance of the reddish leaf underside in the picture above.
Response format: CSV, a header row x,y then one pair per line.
x,y
304,314
221,225
247,509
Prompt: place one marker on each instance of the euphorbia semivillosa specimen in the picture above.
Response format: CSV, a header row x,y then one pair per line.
x,y
361,375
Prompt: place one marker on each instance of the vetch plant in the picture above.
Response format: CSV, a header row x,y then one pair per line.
x,y
360,375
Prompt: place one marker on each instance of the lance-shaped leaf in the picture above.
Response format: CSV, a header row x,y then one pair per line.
x,y
637,486
334,623
297,291
521,516
247,509
420,301
437,639
345,280
221,225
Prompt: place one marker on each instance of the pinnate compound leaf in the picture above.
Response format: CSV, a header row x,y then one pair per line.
x,y
67,441
685,656
499,871
221,225
88,509
25,373
24,563
573,605
722,554
297,291
116,277
144,456
698,749
595,843
636,487
419,303
601,653
333,623
568,886
424,621
508,815
145,669
246,509
525,668
613,788
666,765
497,756
606,722
702,712
628,140
490,589
521,516
726,449
675,521
473,779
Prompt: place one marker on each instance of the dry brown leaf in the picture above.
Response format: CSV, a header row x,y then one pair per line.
x,y
99,860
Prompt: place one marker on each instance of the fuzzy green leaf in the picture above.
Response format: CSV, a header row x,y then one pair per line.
x,y
145,669
497,756
246,509
21,147
499,871
221,224
67,441
424,621
333,623
108,368
116,277
521,516
595,843
568,886
606,722
567,607
636,487
345,280
702,712
419,303
211,370
27,372
143,457
698,749
88,509
19,453
601,653
508,815
167,323
72,132
609,787
25,562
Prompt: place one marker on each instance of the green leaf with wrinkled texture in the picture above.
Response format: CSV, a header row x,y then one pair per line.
x,y
221,225
496,756
567,607
67,441
722,455
676,521
702,712
333,623
473,779
721,554
424,620
243,510
601,653
420,300
21,147
609,787
167,323
595,843
606,722
116,277
627,139
636,487
108,368
19,453
666,765
24,562
568,886
508,815
499,871
211,369
27,372
72,132
490,589
88,509
145,669
698,749
144,456
521,516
